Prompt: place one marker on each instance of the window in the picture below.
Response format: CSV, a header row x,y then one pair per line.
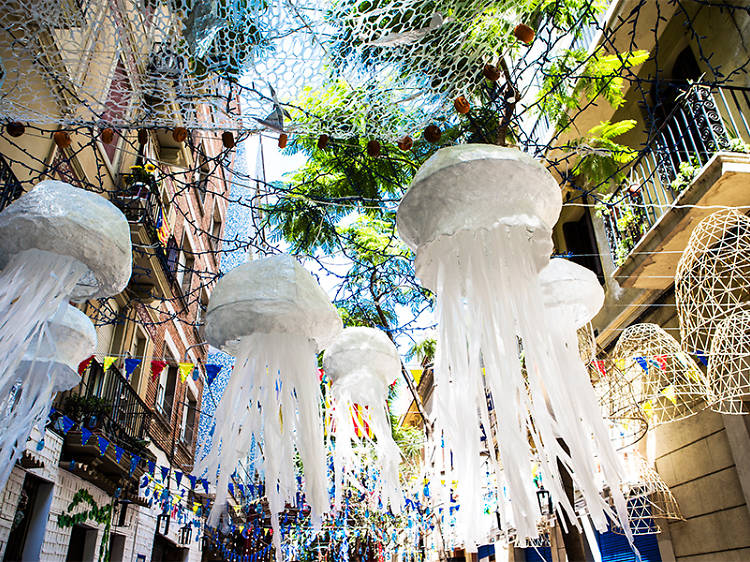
x,y
117,105
185,266
138,350
189,415
165,392
201,184
216,228
200,314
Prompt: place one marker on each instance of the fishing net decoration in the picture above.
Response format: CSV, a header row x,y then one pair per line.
x,y
663,381
712,292
151,63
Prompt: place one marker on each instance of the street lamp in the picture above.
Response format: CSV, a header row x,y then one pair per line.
x,y
186,533
162,524
544,499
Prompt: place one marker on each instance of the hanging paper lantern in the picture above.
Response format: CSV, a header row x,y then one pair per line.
x,y
432,134
524,33
15,129
491,72
62,139
362,363
283,138
48,366
461,105
405,143
274,318
142,136
322,141
373,149
666,384
179,134
479,218
107,135
57,242
227,139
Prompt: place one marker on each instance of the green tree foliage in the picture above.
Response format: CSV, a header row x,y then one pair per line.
x,y
602,160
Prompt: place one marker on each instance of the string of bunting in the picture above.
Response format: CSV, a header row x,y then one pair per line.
x,y
130,364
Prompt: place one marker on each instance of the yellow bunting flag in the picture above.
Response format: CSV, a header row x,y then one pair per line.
x,y
185,370
108,362
196,505
648,408
620,363
670,393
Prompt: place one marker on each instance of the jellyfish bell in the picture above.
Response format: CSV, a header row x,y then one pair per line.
x,y
362,363
60,219
474,187
572,290
49,366
273,317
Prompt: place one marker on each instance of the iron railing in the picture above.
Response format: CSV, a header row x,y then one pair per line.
x,y
126,417
704,122
10,188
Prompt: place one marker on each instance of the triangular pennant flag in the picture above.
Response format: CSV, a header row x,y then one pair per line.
x,y
67,424
157,367
648,408
185,370
85,435
192,481
701,357
212,369
204,482
643,363
231,489
177,477
164,473
134,460
83,365
103,444
130,365
108,362
670,393
151,467
118,453
600,367
662,361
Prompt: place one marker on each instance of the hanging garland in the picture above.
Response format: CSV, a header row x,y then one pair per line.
x,y
101,515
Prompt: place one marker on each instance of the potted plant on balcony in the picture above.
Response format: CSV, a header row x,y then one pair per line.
x,y
87,410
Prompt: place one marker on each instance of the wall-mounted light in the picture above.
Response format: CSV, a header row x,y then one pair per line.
x,y
544,499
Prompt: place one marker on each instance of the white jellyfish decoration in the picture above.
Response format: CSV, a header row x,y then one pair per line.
x,y
49,366
480,218
273,317
573,296
57,243
361,364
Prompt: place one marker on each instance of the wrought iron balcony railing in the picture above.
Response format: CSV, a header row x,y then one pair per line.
x,y
107,401
10,188
705,121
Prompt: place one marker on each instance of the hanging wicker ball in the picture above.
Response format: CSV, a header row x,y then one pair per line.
x,y
461,104
15,129
283,138
524,33
179,134
373,148
107,135
227,139
491,72
405,143
322,141
432,133
62,139
142,136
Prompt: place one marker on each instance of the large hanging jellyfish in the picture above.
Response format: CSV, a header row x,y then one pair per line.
x,y
273,317
49,366
480,219
57,243
573,296
362,363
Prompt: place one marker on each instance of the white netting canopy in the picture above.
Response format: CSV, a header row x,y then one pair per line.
x,y
252,64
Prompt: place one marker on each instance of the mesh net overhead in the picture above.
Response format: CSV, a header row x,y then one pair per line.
x,y
665,383
254,64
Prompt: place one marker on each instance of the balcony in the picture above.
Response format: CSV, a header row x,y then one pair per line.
x,y
140,202
107,405
698,158
10,188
